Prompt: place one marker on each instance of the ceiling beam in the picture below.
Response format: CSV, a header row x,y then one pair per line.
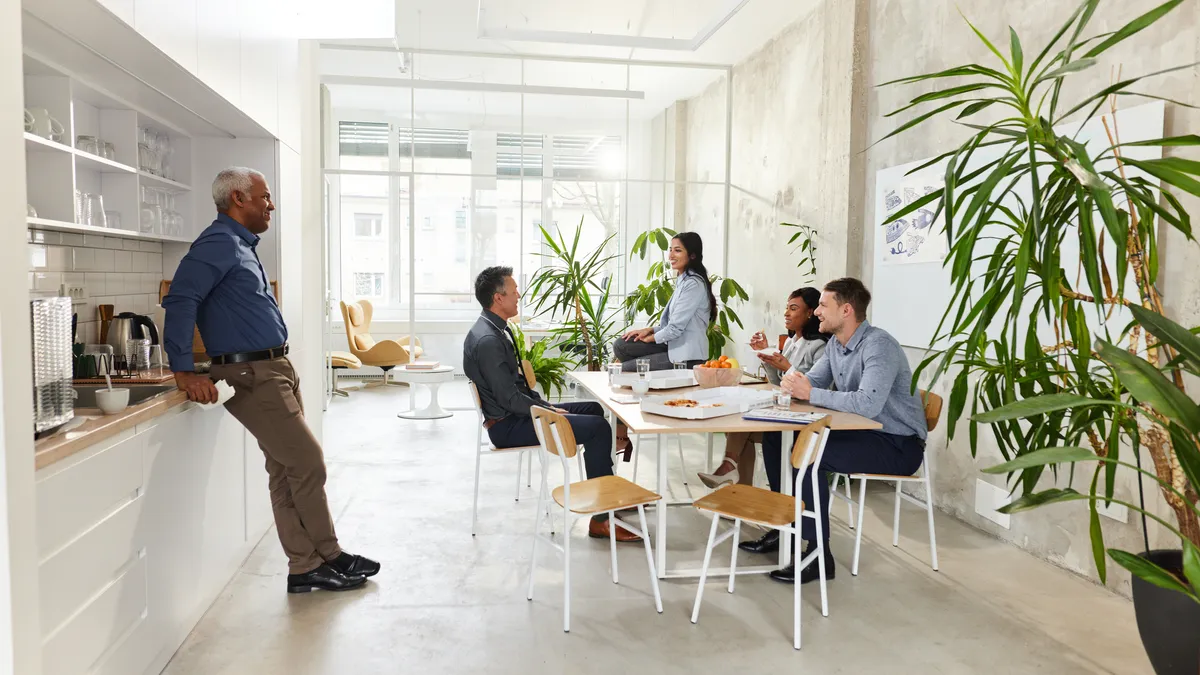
x,y
346,47
407,83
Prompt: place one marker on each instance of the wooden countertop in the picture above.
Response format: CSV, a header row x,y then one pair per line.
x,y
97,427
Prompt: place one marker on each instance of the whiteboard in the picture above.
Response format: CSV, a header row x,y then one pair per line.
x,y
908,300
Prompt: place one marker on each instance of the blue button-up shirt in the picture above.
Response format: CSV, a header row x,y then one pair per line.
x,y
221,287
873,380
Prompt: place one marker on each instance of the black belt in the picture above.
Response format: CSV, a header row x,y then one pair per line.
x,y
246,357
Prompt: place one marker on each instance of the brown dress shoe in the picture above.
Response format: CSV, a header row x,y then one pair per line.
x,y
598,529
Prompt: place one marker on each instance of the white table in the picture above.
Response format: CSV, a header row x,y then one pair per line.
x,y
658,425
429,377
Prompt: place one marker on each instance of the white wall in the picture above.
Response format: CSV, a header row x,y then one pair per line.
x,y
20,639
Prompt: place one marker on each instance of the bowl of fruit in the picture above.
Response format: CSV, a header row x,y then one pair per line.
x,y
722,372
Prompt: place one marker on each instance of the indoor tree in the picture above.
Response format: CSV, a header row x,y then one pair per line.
x,y
1098,391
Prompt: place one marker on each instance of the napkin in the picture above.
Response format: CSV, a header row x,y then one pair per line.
x,y
769,351
224,393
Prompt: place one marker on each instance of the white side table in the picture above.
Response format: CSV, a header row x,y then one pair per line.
x,y
432,378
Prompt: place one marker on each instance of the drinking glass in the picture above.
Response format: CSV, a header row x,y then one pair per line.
x,y
156,360
641,386
137,351
88,144
95,210
783,400
150,217
643,368
108,150
113,219
614,369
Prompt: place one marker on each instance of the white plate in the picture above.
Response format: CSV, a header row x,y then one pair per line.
x,y
659,379
716,402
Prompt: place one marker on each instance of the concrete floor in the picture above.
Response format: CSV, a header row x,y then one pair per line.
x,y
449,603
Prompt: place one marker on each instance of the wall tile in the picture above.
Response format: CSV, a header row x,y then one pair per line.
x,y
85,259
105,260
156,263
114,284
114,243
37,257
130,244
151,246
95,282
71,239
47,281
123,261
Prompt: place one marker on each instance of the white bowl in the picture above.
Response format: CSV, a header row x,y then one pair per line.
x,y
112,400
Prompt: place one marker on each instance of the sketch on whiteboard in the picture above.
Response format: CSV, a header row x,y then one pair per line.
x,y
917,237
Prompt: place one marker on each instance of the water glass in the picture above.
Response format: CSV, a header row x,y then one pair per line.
x,y
783,400
137,351
113,219
641,386
643,368
156,360
614,369
88,144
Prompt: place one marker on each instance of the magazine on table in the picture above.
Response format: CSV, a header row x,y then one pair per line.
x,y
776,415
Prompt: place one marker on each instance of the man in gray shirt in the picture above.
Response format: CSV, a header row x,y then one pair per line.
x,y
490,361
872,379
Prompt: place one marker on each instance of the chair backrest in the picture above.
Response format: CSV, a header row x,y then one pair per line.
x,y
530,376
554,432
357,318
805,450
933,408
475,396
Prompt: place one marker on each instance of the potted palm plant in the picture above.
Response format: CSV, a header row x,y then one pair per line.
x,y
549,371
1093,396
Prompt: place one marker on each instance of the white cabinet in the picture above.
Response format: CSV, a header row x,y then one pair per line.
x,y
122,8
171,26
219,47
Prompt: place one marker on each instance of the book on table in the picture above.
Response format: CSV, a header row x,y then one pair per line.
x,y
788,416
423,365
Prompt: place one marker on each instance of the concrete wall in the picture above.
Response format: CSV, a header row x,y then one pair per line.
x,y
811,94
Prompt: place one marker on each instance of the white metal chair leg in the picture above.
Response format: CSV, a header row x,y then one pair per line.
x,y
475,500
520,461
636,455
849,503
612,542
712,534
682,464
862,506
567,572
528,473
649,558
929,510
896,518
796,611
821,535
537,524
737,536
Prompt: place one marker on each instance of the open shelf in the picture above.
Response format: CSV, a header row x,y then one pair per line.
x,y
97,163
60,226
160,182
35,143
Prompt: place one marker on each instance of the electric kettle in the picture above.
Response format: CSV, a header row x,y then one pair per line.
x,y
128,326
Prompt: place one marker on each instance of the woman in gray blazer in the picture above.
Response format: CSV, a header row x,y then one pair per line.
x,y
682,333
804,347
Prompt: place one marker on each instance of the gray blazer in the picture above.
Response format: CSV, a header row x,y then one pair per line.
x,y
684,324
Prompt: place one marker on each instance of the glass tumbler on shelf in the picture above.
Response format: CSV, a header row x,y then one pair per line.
x,y
112,219
95,210
88,144
108,150
150,215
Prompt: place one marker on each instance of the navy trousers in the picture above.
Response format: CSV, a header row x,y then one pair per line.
x,y
588,423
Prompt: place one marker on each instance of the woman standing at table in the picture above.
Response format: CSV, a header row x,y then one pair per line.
x,y
804,347
682,333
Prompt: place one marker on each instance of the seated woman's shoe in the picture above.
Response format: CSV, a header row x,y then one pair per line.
x,y
714,480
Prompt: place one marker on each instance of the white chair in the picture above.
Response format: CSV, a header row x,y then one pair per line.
x,y
484,447
933,409
773,511
605,494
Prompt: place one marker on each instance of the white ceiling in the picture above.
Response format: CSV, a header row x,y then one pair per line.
x,y
454,25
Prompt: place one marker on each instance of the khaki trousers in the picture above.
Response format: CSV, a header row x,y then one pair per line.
x,y
267,402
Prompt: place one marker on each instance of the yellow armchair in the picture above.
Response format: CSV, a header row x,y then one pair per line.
x,y
384,354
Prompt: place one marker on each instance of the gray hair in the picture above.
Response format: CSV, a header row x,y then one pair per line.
x,y
228,181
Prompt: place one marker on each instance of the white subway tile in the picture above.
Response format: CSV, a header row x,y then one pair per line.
x,y
47,281
85,259
37,257
114,284
105,261
74,279
151,247
71,239
40,237
95,283
123,261
115,243
93,241
156,263
130,244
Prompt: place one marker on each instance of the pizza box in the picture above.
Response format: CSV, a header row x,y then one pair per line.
x,y
659,379
710,403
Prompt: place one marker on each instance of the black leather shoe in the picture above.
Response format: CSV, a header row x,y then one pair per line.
x,y
768,543
813,571
324,578
354,565
787,575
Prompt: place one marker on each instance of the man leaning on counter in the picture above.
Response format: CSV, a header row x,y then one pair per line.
x,y
221,288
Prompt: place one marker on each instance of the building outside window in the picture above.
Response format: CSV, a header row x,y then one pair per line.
x,y
368,225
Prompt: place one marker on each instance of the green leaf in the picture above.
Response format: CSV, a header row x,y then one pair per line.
x,y
986,41
1018,55
1148,571
941,94
661,239
1191,563
1097,533
1043,457
1133,27
1189,139
1036,499
1037,405
1149,385
974,108
918,119
1166,330
1073,67
958,71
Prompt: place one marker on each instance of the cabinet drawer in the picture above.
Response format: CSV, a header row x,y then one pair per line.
x,y
88,635
75,574
72,499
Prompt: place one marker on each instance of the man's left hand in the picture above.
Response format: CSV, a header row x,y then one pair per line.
x,y
797,385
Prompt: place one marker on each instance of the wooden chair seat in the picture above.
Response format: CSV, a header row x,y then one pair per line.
x,y
751,504
606,493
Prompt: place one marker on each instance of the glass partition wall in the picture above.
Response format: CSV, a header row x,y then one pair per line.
x,y
464,163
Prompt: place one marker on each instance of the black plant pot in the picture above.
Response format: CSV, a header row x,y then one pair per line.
x,y
1168,621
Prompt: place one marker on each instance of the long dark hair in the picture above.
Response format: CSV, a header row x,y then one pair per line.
x,y
693,245
811,330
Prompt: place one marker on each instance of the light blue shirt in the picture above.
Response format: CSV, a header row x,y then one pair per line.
x,y
684,324
873,380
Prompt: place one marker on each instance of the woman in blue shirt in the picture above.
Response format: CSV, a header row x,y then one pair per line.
x,y
682,333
